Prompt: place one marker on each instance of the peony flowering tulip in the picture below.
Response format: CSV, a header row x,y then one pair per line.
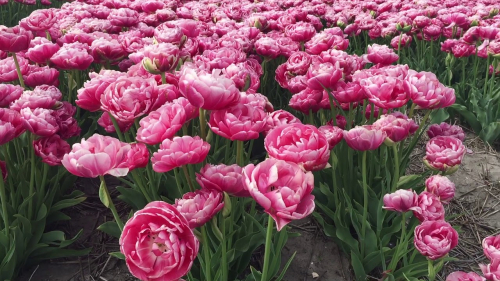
x,y
396,129
463,276
8,71
158,243
445,129
105,122
435,239
282,188
89,97
15,39
68,126
200,206
9,93
441,186
123,17
178,152
162,57
385,91
40,121
240,122
72,58
104,50
491,247
11,125
381,54
51,149
223,178
161,124
44,96
38,76
364,138
444,153
42,53
302,144
403,41
491,271
429,207
333,134
39,20
348,92
97,156
298,63
323,75
307,100
401,201
426,91
278,118
300,32
267,47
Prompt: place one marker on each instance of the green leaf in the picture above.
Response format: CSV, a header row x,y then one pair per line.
x,y
257,275
111,228
66,203
117,255
491,132
42,212
132,197
103,194
469,116
285,268
52,236
357,267
438,116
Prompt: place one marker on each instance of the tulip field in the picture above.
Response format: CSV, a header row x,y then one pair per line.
x,y
207,137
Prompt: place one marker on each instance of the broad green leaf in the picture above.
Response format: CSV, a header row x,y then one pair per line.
x,y
469,116
118,255
285,268
438,116
110,228
132,197
104,195
52,236
490,132
63,204
357,267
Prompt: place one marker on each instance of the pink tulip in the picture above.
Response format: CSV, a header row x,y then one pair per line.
x,y
445,129
138,156
432,32
240,122
429,207
403,41
300,32
192,112
89,97
324,41
323,75
39,20
401,201
40,121
68,126
381,54
421,21
333,134
435,239
298,63
441,186
178,152
161,124
131,97
200,206
396,128
105,122
158,243
210,91
462,50
223,178
15,39
462,276
385,91
123,17
38,76
104,50
42,53
444,153
9,93
72,58
307,100
97,156
8,71
283,189
278,118
256,100
348,92
51,149
11,125
44,96
491,271
267,47
162,57
364,138
426,91
223,57
491,247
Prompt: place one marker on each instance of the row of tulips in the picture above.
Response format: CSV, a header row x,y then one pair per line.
x,y
192,87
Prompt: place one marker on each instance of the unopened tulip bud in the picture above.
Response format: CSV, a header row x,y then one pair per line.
x,y
373,14
474,23
150,67
493,12
340,24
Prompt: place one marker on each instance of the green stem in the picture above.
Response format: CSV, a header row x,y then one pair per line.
x,y
399,247
224,250
239,153
334,180
365,205
486,76
47,35
430,268
399,47
311,117
32,176
412,109
163,78
18,69
117,128
3,197
42,187
188,178
249,152
395,179
267,249
138,180
206,253
178,181
203,124
111,204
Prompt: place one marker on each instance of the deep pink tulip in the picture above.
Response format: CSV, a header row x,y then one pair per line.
x,y
491,247
307,100
240,122
421,21
445,129
426,91
435,239
69,58
138,156
300,32
89,97
333,134
178,152
123,17
278,118
491,271
462,276
403,41
161,124
162,57
15,39
158,243
444,153
97,156
44,96
42,53
40,121
323,75
68,126
401,201
165,34
51,149
200,206
348,92
210,91
282,188
340,122
8,71
130,97
104,50
377,111
192,112
441,186
9,93
432,32
223,178
364,138
298,63
223,57
44,75
300,144
429,207
381,54
447,45
385,91
39,20
267,47
396,128
11,125
105,122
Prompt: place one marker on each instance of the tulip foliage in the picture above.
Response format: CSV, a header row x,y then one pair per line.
x,y
226,121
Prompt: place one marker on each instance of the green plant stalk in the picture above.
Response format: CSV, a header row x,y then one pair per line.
x,y
138,180
334,181
203,124
432,271
485,90
163,78
399,47
188,178
395,178
492,80
249,152
18,69
112,205
462,83
224,250
44,181
365,204
47,35
117,128
267,249
239,153
3,197
206,252
402,242
416,136
32,176
178,181
311,117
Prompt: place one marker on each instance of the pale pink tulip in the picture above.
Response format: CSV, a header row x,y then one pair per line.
x,y
178,152
444,153
200,206
429,207
441,186
364,138
491,247
435,239
223,178
161,124
401,201
240,122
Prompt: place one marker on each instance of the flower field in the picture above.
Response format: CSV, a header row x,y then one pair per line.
x,y
207,130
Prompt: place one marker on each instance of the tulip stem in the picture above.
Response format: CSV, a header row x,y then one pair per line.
x,y
111,204
224,250
5,215
117,128
188,178
402,242
32,176
206,252
395,178
178,181
203,124
431,269
486,76
44,180
139,182
365,205
267,250
47,35
163,78
311,117
399,47
239,153
18,69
